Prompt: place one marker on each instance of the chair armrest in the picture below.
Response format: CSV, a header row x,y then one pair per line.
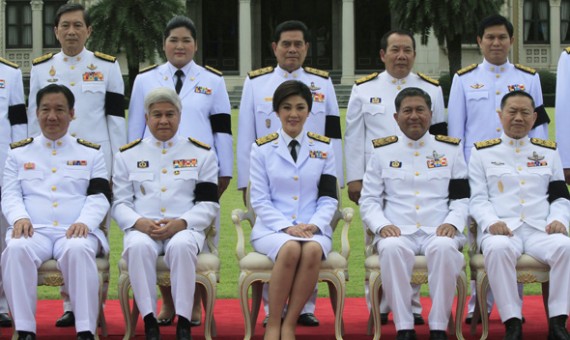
x,y
210,237
239,215
347,214
369,248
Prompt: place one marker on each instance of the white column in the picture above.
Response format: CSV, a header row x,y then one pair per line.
x,y
348,36
554,33
245,37
37,27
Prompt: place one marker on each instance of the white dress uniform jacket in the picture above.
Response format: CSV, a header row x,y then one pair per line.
x,y
54,184
157,180
521,183
563,107
257,118
205,108
97,85
370,115
285,193
475,100
417,186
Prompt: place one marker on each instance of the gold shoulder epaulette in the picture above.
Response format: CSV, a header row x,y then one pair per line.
x,y
447,139
364,79
148,68
9,63
525,68
213,70
260,72
266,139
130,145
467,69
378,142
42,59
88,144
105,57
318,137
487,143
428,79
317,72
199,144
544,143
21,143
567,49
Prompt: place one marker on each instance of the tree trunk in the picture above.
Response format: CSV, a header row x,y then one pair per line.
x,y
454,53
133,64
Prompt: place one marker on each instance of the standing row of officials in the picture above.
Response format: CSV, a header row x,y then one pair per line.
x,y
416,186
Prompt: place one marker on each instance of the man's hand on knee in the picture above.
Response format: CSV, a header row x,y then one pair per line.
x,y
23,227
77,230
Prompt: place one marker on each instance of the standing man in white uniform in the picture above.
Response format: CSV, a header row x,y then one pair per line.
x,y
205,113
521,205
370,115
166,196
563,110
13,128
97,85
257,118
415,202
55,196
476,93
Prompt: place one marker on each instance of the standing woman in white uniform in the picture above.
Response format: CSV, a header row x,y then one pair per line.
x,y
293,194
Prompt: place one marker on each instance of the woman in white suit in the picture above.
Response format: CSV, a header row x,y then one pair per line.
x,y
293,194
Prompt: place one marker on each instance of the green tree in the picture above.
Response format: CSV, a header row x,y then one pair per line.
x,y
134,27
450,20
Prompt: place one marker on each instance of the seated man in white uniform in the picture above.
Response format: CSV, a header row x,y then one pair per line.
x,y
415,200
521,205
166,196
55,196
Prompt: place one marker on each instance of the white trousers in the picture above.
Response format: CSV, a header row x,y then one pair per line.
x,y
444,262
180,255
501,254
3,228
76,260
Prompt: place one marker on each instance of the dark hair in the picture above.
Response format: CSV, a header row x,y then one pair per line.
x,y
386,36
291,25
180,21
412,92
494,20
56,88
71,7
517,93
292,88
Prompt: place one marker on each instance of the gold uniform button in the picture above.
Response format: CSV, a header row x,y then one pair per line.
x,y
162,210
53,152
417,173
54,204
59,143
73,135
522,201
53,188
519,168
48,145
410,144
163,189
54,170
295,198
517,150
511,142
416,153
498,76
418,225
498,92
55,223
295,178
164,171
417,207
72,83
498,129
72,67
163,151
293,216
523,182
417,192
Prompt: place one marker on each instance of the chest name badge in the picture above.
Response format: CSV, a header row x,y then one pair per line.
x,y
92,76
318,97
29,166
317,154
185,163
142,164
203,90
395,164
516,87
77,163
375,100
536,160
2,83
436,160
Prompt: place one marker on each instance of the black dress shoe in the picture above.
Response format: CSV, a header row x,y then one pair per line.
x,y
66,320
557,328
151,330
418,319
85,336
437,335
5,320
308,319
183,329
406,334
513,329
383,318
26,335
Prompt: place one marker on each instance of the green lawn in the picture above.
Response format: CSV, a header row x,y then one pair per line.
x,y
232,199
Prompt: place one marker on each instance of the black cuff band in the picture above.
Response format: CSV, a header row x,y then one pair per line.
x,y
100,186
327,186
114,104
221,123
332,127
438,129
459,188
206,192
556,190
17,114
541,116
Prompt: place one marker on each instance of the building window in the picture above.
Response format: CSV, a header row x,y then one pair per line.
x,y
18,24
536,21
50,7
373,20
220,39
565,21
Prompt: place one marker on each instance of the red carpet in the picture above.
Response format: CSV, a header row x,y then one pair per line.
x,y
230,322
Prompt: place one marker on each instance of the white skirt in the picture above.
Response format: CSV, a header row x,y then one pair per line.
x,y
271,244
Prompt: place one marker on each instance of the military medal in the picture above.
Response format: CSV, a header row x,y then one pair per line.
x,y
516,87
477,86
536,160
2,83
29,166
52,74
92,67
313,87
436,160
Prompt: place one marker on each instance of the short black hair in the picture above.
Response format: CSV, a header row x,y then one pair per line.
x,y
292,88
386,36
180,21
412,92
56,88
72,7
494,20
517,93
291,25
